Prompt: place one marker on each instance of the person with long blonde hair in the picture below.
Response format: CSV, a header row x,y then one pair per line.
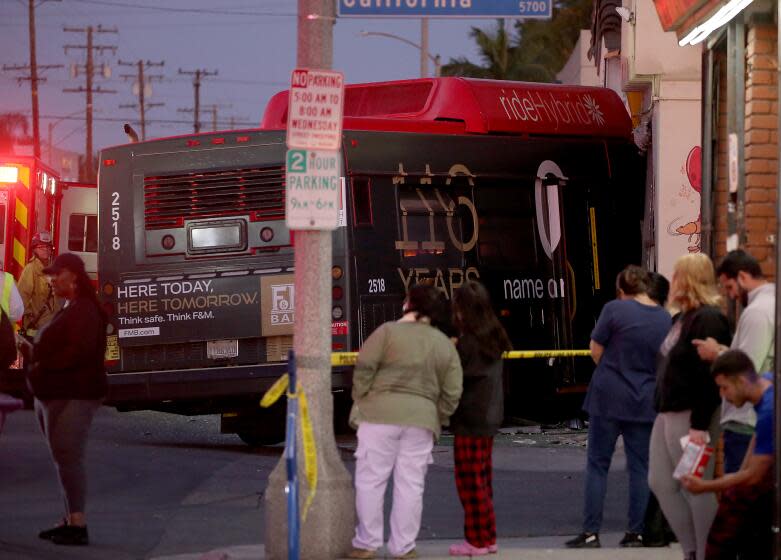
x,y
687,400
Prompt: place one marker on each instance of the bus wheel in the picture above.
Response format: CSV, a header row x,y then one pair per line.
x,y
255,437
256,426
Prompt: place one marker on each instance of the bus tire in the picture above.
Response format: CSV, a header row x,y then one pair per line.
x,y
259,436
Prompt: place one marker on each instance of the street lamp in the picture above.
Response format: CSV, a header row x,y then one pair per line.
x,y
423,52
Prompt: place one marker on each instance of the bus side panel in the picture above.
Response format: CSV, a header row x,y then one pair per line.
x,y
527,217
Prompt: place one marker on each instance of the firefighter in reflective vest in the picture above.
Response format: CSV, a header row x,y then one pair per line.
x,y
10,300
40,303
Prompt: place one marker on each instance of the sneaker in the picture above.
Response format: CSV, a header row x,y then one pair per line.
x,y
71,535
466,549
584,540
493,548
47,534
407,555
361,554
631,540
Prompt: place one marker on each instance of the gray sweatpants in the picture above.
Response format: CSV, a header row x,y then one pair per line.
x,y
65,424
689,515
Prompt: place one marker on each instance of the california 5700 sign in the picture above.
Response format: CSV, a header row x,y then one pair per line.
x,y
314,118
313,187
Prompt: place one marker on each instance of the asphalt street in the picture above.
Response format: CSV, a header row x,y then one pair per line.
x,y
162,484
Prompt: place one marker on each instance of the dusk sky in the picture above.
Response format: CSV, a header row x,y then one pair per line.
x,y
254,55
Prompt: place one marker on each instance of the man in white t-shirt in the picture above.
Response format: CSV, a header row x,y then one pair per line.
x,y
741,278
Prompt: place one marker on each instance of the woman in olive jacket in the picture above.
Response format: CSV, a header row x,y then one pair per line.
x,y
406,384
68,381
687,400
481,342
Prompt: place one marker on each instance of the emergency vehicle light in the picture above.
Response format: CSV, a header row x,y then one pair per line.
x,y
9,174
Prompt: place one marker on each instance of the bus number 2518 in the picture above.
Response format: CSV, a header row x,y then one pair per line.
x,y
115,221
376,285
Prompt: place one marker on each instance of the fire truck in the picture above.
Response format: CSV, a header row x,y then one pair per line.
x,y
34,199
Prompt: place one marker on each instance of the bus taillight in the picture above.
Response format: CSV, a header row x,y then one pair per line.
x,y
336,272
337,293
337,312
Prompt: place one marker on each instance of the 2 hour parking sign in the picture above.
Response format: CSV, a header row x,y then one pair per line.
x,y
313,187
314,136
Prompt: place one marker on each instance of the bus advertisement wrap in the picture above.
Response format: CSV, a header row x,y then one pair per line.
x,y
175,311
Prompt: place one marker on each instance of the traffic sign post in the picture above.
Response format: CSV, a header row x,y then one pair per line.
x,y
526,9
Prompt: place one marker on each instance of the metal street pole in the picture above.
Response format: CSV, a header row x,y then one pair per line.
x,y
423,52
34,81
328,528
424,47
777,361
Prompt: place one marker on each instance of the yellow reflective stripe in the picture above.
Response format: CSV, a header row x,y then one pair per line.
x,y
24,175
21,213
8,282
20,253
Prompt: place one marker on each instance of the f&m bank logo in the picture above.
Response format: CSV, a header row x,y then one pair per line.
x,y
277,304
282,304
546,197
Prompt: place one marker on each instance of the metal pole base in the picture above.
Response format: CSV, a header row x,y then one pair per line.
x,y
330,525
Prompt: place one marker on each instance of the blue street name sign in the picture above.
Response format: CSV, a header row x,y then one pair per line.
x,y
540,9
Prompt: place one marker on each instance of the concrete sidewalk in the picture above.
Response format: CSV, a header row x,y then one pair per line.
x,y
534,548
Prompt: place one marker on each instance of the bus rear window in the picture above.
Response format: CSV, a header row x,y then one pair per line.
x,y
83,233
362,201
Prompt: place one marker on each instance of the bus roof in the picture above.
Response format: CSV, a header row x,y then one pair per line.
x,y
471,106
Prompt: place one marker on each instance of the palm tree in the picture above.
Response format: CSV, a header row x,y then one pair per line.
x,y
501,60
534,53
13,130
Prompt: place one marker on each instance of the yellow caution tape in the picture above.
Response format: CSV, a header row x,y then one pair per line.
x,y
530,354
349,358
277,390
310,450
307,434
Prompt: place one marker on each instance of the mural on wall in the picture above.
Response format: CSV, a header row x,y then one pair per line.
x,y
691,183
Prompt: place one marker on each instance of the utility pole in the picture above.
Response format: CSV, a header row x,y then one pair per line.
x,y
329,527
213,108
197,75
88,89
33,67
143,82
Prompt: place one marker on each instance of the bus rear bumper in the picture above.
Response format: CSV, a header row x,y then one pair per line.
x,y
219,383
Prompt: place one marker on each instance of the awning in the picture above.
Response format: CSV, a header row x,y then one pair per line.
x,y
682,16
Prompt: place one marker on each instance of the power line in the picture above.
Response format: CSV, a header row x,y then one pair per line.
x,y
184,10
158,121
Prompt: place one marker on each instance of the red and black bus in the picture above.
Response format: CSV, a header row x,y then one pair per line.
x,y
536,190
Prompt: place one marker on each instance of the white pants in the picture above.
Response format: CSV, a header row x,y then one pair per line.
x,y
406,451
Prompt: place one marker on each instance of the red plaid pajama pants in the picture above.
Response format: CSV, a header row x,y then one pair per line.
x,y
474,482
